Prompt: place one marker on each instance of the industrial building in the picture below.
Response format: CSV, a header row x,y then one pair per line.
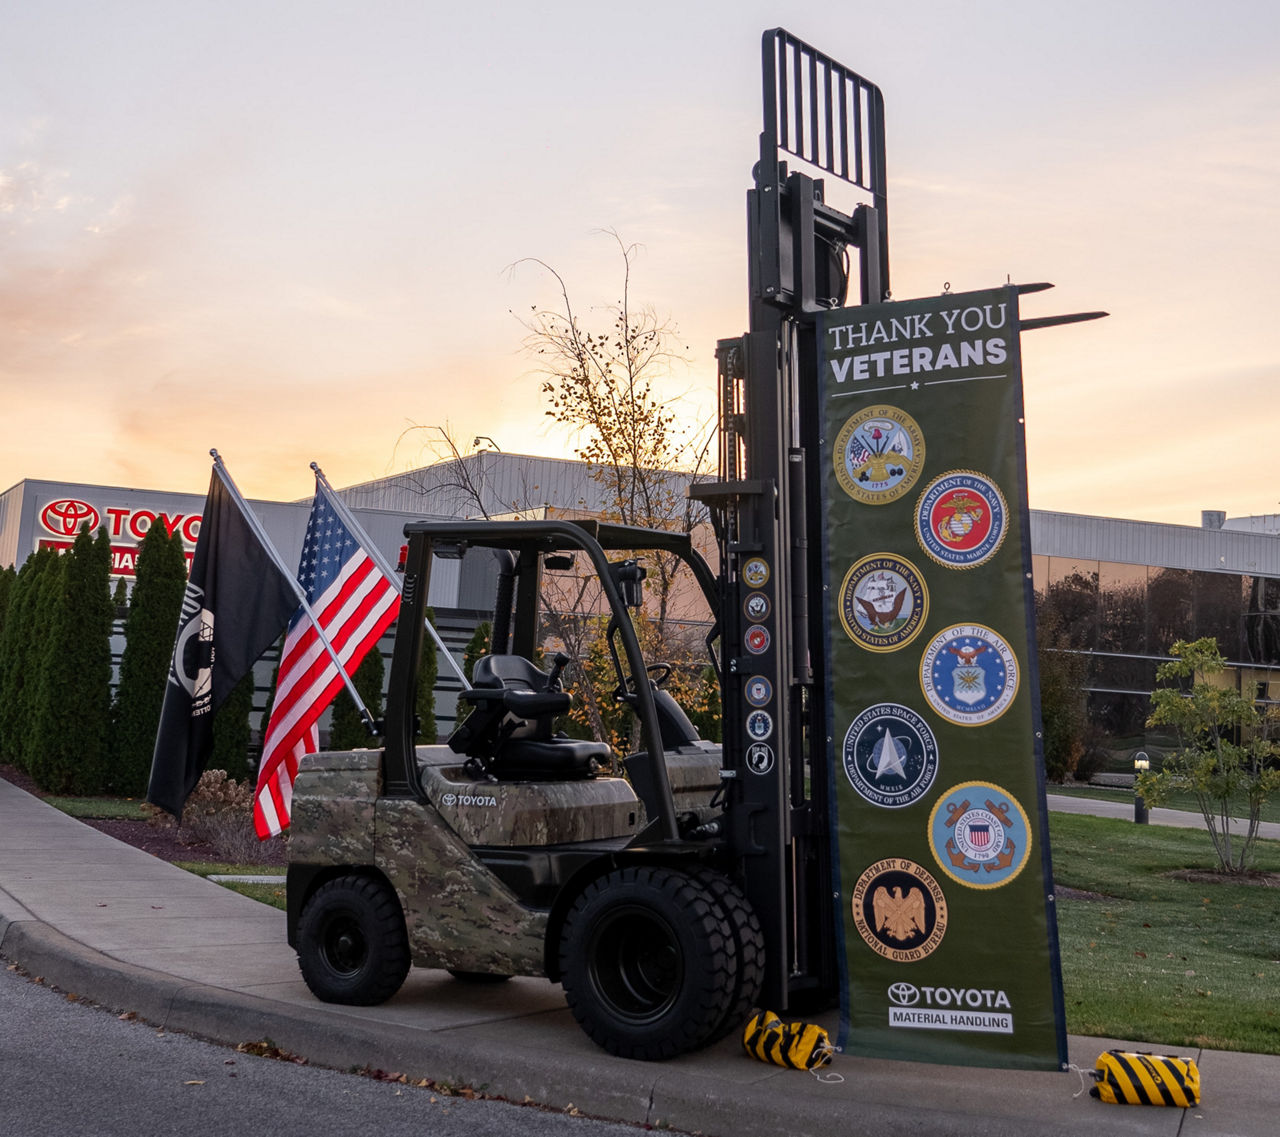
x,y
1132,588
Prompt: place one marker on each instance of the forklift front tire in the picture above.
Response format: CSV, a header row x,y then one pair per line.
x,y
352,943
649,963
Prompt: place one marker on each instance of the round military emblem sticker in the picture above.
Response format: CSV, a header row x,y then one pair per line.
x,y
756,572
980,835
890,755
900,911
883,602
969,674
758,690
961,519
879,454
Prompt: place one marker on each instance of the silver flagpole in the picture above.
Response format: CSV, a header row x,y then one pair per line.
x,y
348,519
291,577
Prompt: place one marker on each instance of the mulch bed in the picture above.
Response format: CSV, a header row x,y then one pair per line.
x,y
168,842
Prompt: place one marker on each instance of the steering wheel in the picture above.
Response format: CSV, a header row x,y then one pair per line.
x,y
659,673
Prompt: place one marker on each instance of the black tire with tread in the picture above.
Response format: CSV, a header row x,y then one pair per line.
x,y
649,962
352,944
749,938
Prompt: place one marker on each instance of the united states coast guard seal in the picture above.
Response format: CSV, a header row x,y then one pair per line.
x,y
969,674
883,602
980,835
878,455
961,519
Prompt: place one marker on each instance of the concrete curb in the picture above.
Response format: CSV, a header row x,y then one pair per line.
x,y
715,1091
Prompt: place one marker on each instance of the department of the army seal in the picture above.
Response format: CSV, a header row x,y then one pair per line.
x,y
969,674
980,835
883,602
890,755
878,455
961,519
900,911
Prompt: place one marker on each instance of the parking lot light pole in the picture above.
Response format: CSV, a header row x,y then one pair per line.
x,y
1140,813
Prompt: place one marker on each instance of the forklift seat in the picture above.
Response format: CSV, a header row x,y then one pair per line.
x,y
508,733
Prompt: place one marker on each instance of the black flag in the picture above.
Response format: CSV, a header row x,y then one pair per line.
x,y
236,604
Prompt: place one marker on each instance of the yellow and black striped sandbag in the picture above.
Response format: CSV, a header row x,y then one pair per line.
x,y
1127,1077
800,1046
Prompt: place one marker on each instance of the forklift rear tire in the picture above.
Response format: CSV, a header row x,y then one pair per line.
x,y
649,962
352,943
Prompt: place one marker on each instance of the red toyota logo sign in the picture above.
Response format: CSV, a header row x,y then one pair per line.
x,y
65,516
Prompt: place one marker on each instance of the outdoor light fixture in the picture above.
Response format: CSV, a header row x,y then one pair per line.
x,y
1140,763
479,438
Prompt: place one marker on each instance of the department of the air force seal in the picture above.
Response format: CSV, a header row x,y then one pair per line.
x,y
900,911
883,602
961,519
890,755
759,725
878,455
969,674
980,835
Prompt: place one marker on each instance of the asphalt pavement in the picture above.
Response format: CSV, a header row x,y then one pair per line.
x,y
129,931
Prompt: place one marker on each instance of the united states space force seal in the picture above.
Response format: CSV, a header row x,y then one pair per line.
x,y
961,519
883,602
878,455
890,755
980,835
969,674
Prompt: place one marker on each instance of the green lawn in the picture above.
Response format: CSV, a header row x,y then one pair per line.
x,y
100,808
1163,960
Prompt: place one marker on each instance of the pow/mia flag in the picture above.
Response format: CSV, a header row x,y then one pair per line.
x,y
236,604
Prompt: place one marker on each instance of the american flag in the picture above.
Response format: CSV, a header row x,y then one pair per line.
x,y
354,604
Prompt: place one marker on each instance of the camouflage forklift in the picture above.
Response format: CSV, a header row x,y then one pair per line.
x,y
670,900
511,850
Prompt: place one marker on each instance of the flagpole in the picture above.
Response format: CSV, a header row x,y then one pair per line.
x,y
348,519
291,577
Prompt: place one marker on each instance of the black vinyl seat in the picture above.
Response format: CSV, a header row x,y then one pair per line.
x,y
508,734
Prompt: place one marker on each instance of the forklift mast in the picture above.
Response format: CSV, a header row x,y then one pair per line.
x,y
765,506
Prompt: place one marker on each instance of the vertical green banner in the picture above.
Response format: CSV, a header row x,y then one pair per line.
x,y
941,840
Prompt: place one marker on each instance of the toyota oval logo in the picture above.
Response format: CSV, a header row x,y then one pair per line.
x,y
904,994
65,516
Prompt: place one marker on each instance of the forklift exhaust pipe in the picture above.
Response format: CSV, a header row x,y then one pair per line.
x,y
500,641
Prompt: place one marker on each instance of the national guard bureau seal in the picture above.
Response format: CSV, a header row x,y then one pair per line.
x,y
961,519
900,911
969,674
890,755
878,455
883,602
980,835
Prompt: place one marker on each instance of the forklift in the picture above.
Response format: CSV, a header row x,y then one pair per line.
x,y
672,898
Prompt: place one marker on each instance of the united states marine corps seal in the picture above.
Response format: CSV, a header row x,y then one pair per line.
x,y
961,519
883,602
900,911
878,455
980,835
969,674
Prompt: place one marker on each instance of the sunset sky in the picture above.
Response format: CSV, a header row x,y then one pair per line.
x,y
287,230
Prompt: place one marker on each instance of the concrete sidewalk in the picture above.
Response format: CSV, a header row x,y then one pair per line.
x,y
125,929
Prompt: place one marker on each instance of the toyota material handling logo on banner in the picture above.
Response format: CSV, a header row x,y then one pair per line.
x,y
65,516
